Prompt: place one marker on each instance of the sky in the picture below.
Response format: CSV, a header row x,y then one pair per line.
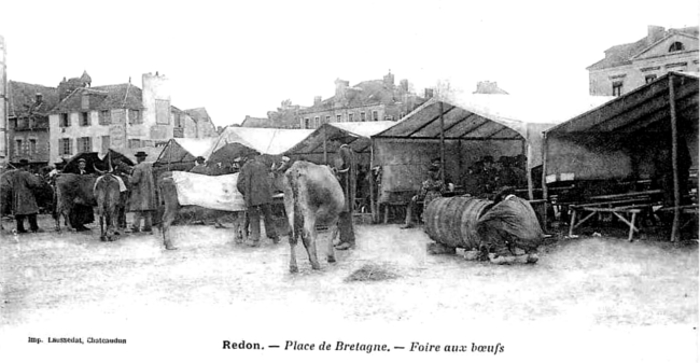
x,y
245,57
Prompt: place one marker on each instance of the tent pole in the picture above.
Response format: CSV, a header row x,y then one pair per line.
x,y
530,183
545,192
674,160
459,161
325,151
442,141
170,152
371,181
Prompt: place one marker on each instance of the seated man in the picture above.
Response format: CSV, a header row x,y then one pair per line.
x,y
431,188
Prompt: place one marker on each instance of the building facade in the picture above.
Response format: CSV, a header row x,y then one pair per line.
x,y
628,66
374,100
4,152
121,117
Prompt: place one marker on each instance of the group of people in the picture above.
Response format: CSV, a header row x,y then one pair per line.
x,y
140,195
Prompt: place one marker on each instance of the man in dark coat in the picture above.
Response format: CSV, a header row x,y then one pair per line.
x,y
82,212
346,169
143,194
254,183
199,166
24,203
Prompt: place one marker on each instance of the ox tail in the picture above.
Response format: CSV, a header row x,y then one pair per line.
x,y
298,222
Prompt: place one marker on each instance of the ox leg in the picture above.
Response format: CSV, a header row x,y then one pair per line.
x,y
331,247
102,229
309,239
171,209
292,253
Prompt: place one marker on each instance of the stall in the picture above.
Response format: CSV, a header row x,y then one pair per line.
x,y
241,141
648,136
180,151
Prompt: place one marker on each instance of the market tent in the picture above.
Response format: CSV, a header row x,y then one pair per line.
x,y
618,139
355,134
181,150
98,160
635,136
234,140
470,127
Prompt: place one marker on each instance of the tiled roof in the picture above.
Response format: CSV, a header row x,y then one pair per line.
x,y
362,94
23,95
256,122
105,98
198,113
621,54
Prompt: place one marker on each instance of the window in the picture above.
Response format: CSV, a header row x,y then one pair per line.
x,y
403,114
13,123
105,117
649,78
317,121
177,119
350,117
338,118
134,143
32,146
676,47
64,146
18,147
106,143
84,119
375,115
63,120
135,117
617,88
328,118
307,123
389,117
84,145
363,118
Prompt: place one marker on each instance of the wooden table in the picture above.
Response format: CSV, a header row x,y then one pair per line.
x,y
625,207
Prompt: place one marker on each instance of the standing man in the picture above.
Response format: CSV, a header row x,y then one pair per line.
x,y
24,203
81,213
143,196
346,170
254,184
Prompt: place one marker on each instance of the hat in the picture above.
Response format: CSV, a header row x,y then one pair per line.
x,y
59,161
23,162
435,160
81,160
434,168
200,159
140,154
487,159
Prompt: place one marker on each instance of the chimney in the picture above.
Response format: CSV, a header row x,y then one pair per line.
x,y
429,93
317,100
389,80
655,33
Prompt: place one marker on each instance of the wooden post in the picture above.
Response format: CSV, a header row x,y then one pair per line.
x,y
545,193
325,151
372,182
170,151
674,160
530,183
442,140
460,163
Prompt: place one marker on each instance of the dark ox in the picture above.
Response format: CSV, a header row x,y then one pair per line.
x,y
312,195
72,189
108,201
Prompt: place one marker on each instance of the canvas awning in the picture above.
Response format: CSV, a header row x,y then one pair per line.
x,y
355,134
180,150
263,140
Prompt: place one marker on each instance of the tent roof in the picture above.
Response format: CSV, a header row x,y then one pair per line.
x,y
355,134
488,116
264,140
179,149
638,109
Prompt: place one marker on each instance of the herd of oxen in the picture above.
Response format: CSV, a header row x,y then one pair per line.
x,y
312,197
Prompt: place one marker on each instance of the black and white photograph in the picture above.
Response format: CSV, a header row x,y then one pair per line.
x,y
446,181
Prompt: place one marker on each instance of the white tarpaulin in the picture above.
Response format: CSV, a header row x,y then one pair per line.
x,y
213,192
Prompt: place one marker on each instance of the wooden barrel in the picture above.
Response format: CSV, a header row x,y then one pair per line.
x,y
452,221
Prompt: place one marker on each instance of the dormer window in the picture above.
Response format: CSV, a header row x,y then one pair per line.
x,y
676,47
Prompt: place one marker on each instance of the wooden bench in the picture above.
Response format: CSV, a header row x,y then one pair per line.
x,y
625,207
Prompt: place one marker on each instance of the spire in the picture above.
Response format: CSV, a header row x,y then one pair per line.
x,y
85,78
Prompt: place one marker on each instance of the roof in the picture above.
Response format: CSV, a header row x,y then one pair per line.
x,y
643,107
256,122
362,94
622,54
488,117
185,150
264,140
24,94
103,98
355,134
198,114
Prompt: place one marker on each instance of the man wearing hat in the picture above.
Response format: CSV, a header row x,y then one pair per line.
x,y
431,188
23,201
199,166
254,183
81,213
346,169
143,196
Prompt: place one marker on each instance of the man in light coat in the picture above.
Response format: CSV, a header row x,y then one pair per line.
x,y
143,194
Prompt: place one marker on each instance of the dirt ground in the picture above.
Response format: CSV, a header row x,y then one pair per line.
x,y
49,281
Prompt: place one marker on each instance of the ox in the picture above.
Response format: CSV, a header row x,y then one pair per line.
x,y
312,195
72,190
107,192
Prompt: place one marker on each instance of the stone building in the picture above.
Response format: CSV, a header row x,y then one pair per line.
x,y
628,66
489,88
121,116
373,100
3,104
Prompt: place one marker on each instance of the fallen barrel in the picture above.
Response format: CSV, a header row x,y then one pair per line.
x,y
452,221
